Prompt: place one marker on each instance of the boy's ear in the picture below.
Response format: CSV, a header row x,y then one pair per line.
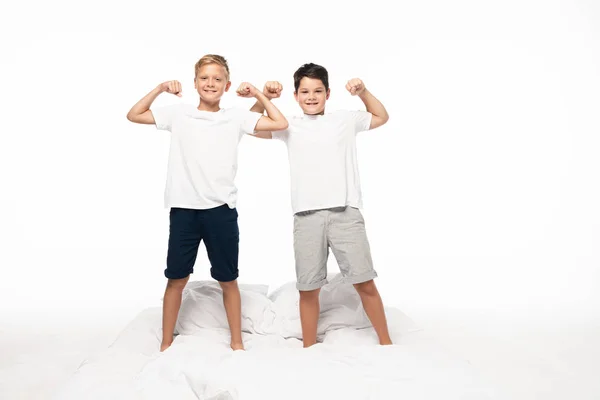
x,y
328,93
195,86
228,86
296,95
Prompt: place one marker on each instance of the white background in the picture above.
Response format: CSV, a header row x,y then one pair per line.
x,y
481,193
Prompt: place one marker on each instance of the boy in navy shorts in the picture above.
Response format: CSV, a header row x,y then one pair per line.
x,y
200,189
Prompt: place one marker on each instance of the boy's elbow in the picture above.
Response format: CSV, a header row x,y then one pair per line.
x,y
383,119
282,126
378,121
136,118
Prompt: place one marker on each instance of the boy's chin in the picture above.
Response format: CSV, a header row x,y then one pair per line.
x,y
210,99
313,112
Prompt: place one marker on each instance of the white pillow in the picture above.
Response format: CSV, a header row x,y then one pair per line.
x,y
347,310
287,315
250,287
340,308
202,308
399,325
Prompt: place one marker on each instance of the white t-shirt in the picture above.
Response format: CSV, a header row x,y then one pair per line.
x,y
203,154
322,156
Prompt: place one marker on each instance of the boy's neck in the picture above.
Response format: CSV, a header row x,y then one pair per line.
x,y
211,107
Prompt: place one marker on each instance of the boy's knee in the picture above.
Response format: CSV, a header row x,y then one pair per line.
x,y
177,284
367,288
229,286
309,294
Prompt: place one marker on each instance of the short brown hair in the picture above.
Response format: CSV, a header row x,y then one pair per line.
x,y
212,59
313,71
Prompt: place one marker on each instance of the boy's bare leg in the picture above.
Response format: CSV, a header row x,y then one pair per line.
x,y
233,308
373,306
171,305
309,315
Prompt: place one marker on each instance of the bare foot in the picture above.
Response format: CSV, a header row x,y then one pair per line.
x,y
386,343
164,346
237,346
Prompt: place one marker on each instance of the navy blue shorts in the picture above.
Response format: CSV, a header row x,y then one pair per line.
x,y
218,227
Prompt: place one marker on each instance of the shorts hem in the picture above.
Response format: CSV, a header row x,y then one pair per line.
x,y
367,276
310,286
228,279
170,275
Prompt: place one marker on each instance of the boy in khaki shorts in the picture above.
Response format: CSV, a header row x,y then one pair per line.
x,y
326,194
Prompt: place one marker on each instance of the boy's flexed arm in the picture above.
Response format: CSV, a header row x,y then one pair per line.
x,y
274,120
356,87
140,113
272,90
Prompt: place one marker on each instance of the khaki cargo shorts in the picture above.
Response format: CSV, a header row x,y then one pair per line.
x,y
341,229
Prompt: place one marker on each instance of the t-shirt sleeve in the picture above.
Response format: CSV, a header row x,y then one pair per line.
x,y
249,121
164,116
362,120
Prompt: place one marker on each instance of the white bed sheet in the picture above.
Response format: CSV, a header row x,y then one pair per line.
x,y
347,365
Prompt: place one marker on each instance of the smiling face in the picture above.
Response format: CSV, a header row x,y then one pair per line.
x,y
311,95
311,84
212,81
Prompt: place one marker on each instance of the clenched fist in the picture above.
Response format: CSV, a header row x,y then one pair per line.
x,y
272,90
246,90
355,86
173,87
